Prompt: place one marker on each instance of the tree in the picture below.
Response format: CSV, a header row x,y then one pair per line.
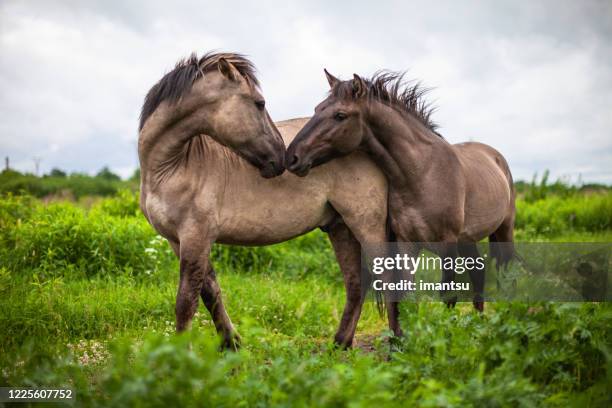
x,y
106,174
136,175
55,172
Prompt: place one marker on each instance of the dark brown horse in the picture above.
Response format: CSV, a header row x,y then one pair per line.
x,y
438,192
205,142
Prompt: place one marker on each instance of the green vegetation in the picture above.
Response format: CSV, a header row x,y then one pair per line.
x,y
58,184
556,215
87,298
539,189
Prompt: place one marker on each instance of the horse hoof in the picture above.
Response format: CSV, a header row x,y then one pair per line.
x,y
450,301
342,344
231,342
479,305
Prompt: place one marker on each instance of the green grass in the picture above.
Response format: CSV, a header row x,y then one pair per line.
x,y
87,301
557,215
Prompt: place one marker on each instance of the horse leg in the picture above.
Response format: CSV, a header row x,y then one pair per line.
x,y
394,323
477,276
348,255
392,306
501,241
448,274
375,233
193,270
211,296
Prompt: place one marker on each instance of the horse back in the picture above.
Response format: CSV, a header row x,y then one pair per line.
x,y
289,128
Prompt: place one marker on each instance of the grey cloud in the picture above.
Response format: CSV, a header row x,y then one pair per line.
x,y
532,79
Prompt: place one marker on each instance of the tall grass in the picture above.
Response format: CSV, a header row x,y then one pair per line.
x,y
63,237
556,215
542,188
113,237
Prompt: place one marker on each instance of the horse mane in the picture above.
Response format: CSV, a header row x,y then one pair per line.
x,y
179,81
392,89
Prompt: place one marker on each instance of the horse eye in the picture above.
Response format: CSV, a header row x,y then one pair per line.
x,y
261,105
340,116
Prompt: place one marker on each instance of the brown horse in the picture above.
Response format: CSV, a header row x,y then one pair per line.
x,y
438,192
204,132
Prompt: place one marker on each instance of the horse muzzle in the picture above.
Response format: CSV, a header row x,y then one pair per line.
x,y
272,168
296,166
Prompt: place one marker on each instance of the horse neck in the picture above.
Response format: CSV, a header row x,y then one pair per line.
x,y
400,145
170,134
200,162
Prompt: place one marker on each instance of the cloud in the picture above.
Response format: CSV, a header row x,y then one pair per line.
x,y
531,79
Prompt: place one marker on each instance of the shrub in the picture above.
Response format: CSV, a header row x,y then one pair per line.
x,y
113,236
62,236
556,215
124,204
77,185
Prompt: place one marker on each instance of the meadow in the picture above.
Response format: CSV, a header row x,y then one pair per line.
x,y
87,291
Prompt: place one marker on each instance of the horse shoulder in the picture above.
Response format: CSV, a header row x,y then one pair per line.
x,y
182,202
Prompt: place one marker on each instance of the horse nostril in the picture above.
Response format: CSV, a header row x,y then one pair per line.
x,y
294,160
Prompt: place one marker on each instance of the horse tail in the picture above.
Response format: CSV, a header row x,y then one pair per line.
x,y
501,241
391,239
503,251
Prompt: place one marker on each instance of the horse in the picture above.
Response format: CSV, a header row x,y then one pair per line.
x,y
456,194
211,161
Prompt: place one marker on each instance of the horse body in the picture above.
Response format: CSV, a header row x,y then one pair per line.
x,y
222,198
438,192
242,208
203,150
464,194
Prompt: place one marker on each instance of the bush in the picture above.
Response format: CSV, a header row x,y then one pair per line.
x,y
556,215
61,236
76,185
520,345
541,189
113,236
125,203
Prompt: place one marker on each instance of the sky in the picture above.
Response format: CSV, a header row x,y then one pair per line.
x,y
532,79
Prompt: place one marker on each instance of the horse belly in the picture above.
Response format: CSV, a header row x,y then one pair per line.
x,y
273,211
271,226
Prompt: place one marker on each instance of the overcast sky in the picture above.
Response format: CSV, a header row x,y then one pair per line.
x,y
531,78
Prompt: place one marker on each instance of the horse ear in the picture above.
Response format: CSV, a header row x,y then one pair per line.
x,y
228,70
332,80
359,86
